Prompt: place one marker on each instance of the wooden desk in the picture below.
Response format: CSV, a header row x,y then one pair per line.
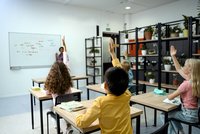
x,y
95,88
41,96
154,101
71,117
40,81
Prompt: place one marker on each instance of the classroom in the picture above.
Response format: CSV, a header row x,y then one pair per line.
x,y
32,31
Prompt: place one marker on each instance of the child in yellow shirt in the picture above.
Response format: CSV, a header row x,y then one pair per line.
x,y
113,110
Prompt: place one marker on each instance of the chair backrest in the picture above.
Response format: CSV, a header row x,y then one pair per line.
x,y
64,98
162,130
199,115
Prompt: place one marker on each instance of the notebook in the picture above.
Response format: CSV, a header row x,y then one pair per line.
x,y
71,106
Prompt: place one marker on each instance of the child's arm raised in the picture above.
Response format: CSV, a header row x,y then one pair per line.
x,y
65,55
176,63
111,49
64,45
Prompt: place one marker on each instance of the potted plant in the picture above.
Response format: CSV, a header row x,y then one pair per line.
x,y
144,49
148,33
167,64
93,50
185,23
93,62
174,31
150,76
155,34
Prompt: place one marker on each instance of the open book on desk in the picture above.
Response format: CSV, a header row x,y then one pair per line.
x,y
175,101
71,106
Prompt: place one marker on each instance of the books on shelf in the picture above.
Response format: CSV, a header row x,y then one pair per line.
x,y
71,106
175,101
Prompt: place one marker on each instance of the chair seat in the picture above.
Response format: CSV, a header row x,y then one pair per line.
x,y
185,122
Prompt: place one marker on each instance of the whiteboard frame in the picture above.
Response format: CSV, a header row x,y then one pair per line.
x,y
17,67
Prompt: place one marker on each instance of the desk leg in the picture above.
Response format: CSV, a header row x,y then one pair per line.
x,y
138,124
33,83
41,117
58,123
87,81
32,114
79,96
77,84
88,94
166,117
155,118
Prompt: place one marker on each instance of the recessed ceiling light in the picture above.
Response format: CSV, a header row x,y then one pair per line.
x,y
127,7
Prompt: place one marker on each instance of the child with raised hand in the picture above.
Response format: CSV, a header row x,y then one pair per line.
x,y
112,110
189,92
125,64
59,82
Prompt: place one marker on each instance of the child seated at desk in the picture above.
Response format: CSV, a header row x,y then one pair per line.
x,y
125,64
189,92
112,110
59,82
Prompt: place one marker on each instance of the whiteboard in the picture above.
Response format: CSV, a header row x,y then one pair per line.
x,y
31,50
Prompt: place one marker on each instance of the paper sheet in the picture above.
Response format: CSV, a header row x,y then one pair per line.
x,y
175,101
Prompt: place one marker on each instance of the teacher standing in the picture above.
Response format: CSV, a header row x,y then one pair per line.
x,y
63,56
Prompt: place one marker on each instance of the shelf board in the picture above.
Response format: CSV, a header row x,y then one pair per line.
x,y
156,84
195,54
147,41
92,66
196,36
148,55
174,38
93,56
171,71
128,43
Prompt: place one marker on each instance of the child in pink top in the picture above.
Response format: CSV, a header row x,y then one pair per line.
x,y
189,92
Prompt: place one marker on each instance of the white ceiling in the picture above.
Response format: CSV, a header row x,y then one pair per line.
x,y
115,6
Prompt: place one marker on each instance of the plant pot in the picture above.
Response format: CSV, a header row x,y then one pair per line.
x,y
180,35
185,33
125,40
173,34
91,54
151,81
147,35
144,52
167,67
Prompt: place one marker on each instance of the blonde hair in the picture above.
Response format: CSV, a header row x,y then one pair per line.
x,y
194,67
126,65
58,80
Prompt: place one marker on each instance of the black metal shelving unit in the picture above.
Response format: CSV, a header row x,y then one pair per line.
x,y
93,59
163,47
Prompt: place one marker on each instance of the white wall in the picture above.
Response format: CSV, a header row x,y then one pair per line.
x,y
48,18
166,13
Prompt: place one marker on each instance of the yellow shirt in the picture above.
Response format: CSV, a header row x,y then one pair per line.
x,y
112,111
